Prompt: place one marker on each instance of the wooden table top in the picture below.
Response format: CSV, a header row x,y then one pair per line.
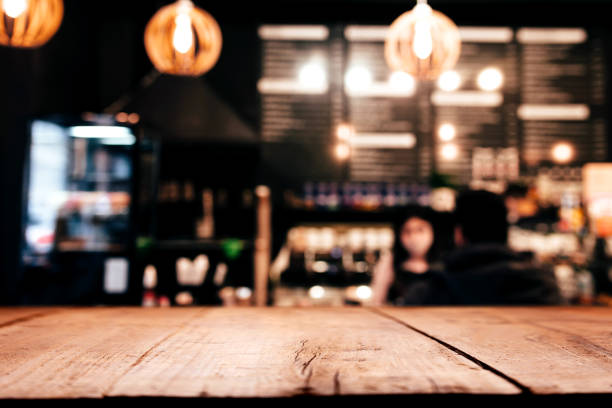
x,y
283,352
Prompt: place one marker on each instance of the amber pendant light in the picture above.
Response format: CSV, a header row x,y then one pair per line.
x,y
182,39
29,23
422,42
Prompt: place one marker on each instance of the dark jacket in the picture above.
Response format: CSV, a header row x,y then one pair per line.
x,y
493,274
429,288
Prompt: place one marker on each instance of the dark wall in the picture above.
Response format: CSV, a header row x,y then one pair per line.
x,y
98,56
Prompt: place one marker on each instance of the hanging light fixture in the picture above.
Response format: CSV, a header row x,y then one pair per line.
x,y
182,39
422,42
29,23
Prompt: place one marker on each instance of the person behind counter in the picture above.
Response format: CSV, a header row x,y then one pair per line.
x,y
483,270
409,275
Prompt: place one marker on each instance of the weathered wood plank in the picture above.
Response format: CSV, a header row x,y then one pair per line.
x,y
548,349
289,351
80,352
10,315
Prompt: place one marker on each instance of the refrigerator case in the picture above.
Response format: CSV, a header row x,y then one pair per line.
x,y
78,234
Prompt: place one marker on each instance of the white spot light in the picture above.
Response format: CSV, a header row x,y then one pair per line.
x,y
358,78
562,152
402,81
345,131
343,151
446,132
14,8
243,292
449,151
312,75
364,292
316,292
490,79
449,81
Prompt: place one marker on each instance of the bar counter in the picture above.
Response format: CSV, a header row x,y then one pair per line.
x,y
103,352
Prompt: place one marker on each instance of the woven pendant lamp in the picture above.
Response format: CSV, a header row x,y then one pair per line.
x,y
182,39
29,23
422,42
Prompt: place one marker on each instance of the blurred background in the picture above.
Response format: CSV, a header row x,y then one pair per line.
x,y
162,207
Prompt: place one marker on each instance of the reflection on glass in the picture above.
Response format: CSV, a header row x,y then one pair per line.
x,y
79,189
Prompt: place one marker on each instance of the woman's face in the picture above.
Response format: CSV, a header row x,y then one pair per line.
x,y
417,236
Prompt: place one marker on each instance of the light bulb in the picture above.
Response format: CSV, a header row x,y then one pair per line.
x,y
316,292
402,80
423,41
358,78
562,152
446,132
312,75
182,39
344,131
449,81
14,8
364,292
490,79
449,151
343,151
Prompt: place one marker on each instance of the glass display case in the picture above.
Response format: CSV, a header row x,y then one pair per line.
x,y
80,183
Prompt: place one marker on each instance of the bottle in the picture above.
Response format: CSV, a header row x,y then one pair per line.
x,y
149,281
205,226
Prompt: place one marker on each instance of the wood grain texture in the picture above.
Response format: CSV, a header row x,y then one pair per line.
x,y
238,352
286,352
547,349
11,315
80,352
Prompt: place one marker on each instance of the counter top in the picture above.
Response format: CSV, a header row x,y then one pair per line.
x,y
103,352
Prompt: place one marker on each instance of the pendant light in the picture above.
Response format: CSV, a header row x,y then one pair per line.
x,y
29,23
182,39
422,42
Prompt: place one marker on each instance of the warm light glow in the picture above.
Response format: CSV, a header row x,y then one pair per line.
x,y
29,23
345,131
403,81
312,75
133,118
149,278
121,117
490,79
449,81
364,292
446,132
358,78
562,152
343,151
316,292
182,39
422,42
14,8
449,151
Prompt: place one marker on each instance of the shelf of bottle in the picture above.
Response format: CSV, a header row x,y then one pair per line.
x,y
73,246
200,244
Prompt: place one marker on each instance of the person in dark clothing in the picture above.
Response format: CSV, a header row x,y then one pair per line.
x,y
483,270
409,275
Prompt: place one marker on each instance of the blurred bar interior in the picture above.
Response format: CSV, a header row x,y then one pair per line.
x,y
261,154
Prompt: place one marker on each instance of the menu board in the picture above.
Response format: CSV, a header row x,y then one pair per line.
x,y
513,96
481,111
389,112
296,102
562,93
